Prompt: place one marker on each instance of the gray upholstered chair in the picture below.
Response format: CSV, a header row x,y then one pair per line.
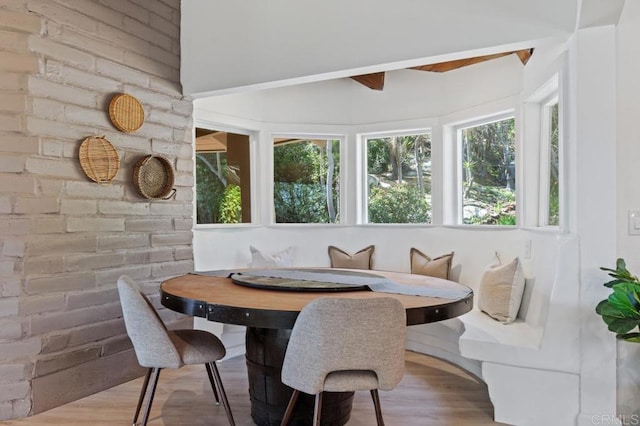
x,y
343,345
157,348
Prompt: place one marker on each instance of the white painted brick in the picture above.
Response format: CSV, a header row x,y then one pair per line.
x,y
62,53
93,190
7,267
155,255
183,165
184,195
124,141
36,205
16,62
70,243
184,253
50,187
47,108
183,224
10,329
113,242
87,116
122,72
129,9
10,391
13,41
172,149
88,43
89,80
166,26
6,410
12,81
169,87
184,135
45,265
83,262
124,208
19,349
6,205
148,97
13,142
156,7
21,408
12,163
165,209
15,227
163,56
152,224
59,167
11,373
114,34
64,360
10,122
172,268
10,286
9,306
67,94
92,298
70,149
184,179
55,342
96,224
40,304
54,225
146,64
65,320
109,277
61,282
78,207
176,238
20,21
52,148
146,33
63,15
13,248
156,131
97,332
168,118
17,184
12,102
182,107
97,11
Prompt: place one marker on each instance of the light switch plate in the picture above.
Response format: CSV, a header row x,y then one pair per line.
x,y
634,222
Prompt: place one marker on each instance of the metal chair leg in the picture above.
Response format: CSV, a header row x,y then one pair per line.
x,y
143,391
289,410
376,404
213,384
152,392
317,409
223,394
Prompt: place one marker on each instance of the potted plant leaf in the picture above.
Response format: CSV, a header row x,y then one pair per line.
x,y
621,310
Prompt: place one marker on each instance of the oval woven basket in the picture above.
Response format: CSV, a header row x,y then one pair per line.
x,y
126,113
153,177
99,159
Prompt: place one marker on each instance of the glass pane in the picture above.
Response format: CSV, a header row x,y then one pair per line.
x,y
306,180
489,174
554,162
399,179
223,183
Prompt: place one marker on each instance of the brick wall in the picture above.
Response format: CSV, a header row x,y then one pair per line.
x,y
64,239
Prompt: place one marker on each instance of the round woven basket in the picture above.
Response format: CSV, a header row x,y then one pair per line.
x,y
153,177
126,113
99,159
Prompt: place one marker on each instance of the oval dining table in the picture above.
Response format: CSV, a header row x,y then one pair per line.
x,y
269,315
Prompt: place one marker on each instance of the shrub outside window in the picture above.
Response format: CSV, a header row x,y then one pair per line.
x,y
306,180
552,133
488,173
399,178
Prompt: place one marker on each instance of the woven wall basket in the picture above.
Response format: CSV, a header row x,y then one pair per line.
x,y
99,159
153,177
126,113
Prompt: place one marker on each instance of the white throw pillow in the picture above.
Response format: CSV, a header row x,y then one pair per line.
x,y
501,291
281,259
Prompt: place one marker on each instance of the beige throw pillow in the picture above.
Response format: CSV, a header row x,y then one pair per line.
x,y
360,260
421,264
501,291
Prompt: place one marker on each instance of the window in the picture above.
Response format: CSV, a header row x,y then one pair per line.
x,y
306,180
488,173
551,147
223,179
398,172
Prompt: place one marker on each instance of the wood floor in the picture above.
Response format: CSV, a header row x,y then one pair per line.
x,y
432,392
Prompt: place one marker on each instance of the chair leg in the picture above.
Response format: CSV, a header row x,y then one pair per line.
x,y
289,410
152,392
213,384
223,394
143,391
317,409
376,404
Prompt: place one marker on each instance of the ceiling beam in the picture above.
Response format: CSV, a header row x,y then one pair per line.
x,y
373,81
523,55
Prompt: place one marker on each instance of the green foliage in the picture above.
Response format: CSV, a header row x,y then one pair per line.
x,y
209,189
398,204
488,152
300,203
231,205
297,162
621,310
498,203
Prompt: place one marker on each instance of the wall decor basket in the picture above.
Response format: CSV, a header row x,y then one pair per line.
x,y
153,178
99,159
126,113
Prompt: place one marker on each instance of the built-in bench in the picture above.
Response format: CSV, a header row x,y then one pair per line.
x,y
530,366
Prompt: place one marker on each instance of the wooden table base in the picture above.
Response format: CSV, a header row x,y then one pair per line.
x,y
269,396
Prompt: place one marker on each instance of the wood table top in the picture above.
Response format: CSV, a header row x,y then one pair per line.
x,y
219,299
